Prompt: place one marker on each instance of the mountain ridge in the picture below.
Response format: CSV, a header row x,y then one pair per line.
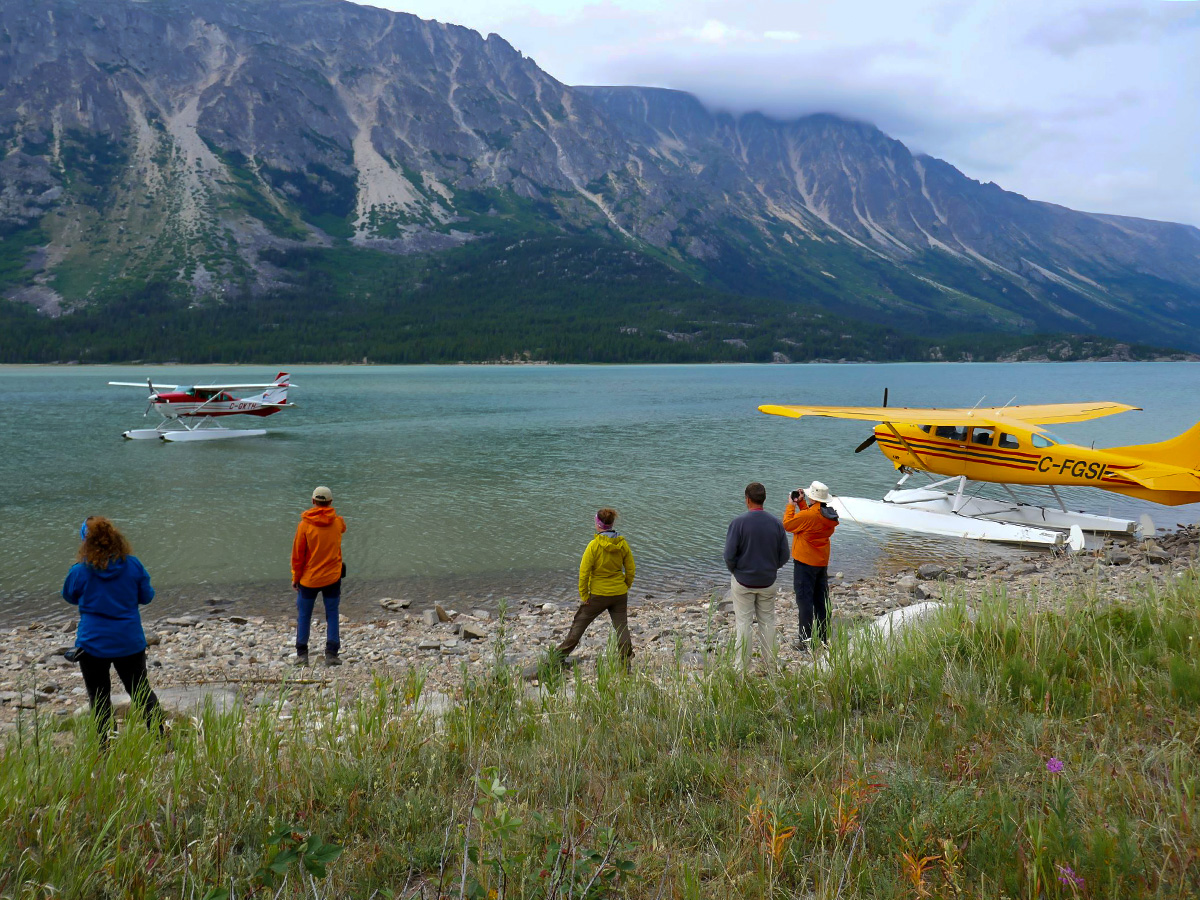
x,y
149,141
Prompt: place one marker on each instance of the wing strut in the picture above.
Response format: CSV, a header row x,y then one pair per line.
x,y
907,445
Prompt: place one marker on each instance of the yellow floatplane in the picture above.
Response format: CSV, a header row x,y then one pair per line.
x,y
1008,446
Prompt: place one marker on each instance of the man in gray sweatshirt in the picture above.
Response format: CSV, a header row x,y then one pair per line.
x,y
756,547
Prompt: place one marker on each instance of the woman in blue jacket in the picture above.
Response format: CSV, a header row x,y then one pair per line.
x,y
108,584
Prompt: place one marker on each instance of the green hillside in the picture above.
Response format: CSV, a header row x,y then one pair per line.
x,y
554,299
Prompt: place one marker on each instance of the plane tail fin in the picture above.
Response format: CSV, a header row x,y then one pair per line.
x,y
1182,450
278,393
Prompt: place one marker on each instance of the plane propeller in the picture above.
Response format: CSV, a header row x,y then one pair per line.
x,y
150,400
870,440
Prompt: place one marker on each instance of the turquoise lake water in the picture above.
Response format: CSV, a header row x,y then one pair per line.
x,y
476,482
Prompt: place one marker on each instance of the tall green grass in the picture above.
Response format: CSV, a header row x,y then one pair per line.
x,y
1005,753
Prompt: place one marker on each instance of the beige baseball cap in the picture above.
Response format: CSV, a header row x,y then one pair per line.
x,y
322,493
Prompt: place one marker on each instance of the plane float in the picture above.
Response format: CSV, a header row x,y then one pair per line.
x,y
191,413
1008,446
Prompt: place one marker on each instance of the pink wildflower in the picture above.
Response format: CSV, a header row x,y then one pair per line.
x,y
1054,765
1067,876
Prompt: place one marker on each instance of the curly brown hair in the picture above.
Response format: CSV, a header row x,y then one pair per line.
x,y
103,544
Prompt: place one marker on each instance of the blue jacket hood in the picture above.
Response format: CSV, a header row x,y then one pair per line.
x,y
114,569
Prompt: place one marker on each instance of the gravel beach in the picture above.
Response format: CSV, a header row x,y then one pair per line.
x,y
214,656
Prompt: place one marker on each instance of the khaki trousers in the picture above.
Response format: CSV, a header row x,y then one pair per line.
x,y
751,605
617,608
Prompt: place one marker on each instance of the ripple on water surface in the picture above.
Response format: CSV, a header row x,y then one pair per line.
x,y
482,480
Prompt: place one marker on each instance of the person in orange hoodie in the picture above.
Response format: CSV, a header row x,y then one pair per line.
x,y
317,569
812,525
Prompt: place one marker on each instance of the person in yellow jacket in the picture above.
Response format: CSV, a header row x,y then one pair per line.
x,y
605,576
317,569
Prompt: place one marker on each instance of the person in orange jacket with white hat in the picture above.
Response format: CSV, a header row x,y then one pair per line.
x,y
811,521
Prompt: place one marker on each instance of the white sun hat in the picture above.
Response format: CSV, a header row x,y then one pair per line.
x,y
817,492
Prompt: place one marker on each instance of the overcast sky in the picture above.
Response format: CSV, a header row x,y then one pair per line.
x,y
1094,104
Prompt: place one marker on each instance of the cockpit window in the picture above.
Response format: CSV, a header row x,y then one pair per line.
x,y
983,436
1008,441
952,432
1041,442
925,428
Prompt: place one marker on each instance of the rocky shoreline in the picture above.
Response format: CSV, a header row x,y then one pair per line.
x,y
221,658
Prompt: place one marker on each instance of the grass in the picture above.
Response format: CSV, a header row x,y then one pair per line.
x,y
1018,753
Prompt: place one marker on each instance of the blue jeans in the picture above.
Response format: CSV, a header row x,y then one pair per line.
x,y
306,599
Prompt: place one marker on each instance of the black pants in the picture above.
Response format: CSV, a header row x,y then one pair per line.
x,y
586,614
132,672
812,597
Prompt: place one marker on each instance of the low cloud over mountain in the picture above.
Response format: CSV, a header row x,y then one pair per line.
x,y
148,142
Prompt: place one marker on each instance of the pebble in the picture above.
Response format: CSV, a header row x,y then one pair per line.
x,y
189,656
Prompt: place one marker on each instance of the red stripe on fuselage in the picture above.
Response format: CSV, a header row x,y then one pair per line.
x,y
942,445
962,455
215,410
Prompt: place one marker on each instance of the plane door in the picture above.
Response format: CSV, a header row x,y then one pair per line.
x,y
952,454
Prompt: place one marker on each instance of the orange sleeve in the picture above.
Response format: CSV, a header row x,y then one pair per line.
x,y
798,520
790,513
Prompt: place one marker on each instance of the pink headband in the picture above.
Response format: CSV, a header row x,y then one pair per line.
x,y
601,525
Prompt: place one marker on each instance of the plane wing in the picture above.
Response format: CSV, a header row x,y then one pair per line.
x,y
237,387
143,384
1059,413
1024,416
200,387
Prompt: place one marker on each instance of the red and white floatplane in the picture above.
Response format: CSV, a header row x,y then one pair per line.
x,y
191,413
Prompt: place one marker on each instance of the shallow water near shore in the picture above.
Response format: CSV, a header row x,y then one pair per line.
x,y
479,482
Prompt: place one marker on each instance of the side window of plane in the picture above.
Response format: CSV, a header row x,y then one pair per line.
x,y
925,428
1040,442
952,432
983,436
1008,441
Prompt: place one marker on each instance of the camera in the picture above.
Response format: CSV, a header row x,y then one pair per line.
x,y
795,495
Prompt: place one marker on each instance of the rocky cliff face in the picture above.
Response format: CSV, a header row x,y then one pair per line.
x,y
161,141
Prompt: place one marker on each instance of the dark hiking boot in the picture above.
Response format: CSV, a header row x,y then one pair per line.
x,y
331,659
